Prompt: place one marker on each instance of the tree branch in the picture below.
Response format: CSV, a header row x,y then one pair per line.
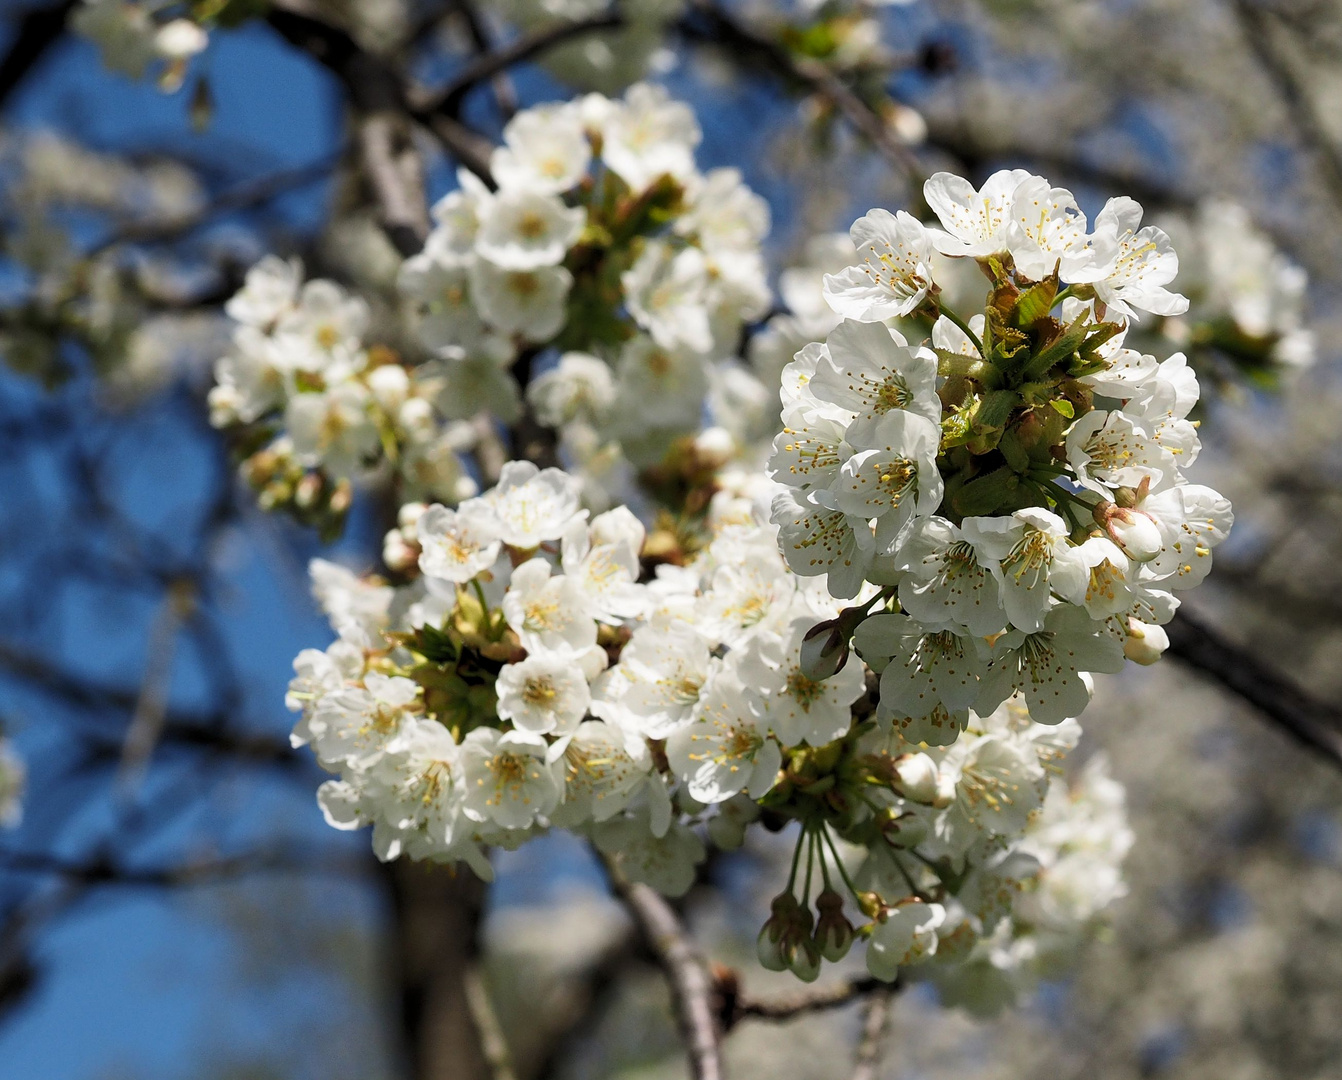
x,y
1310,722
741,40
1257,31
874,1023
692,987
527,47
812,999
39,29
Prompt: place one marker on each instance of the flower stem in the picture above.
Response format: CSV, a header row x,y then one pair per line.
x,y
973,337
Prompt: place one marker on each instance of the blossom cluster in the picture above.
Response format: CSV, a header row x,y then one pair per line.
x,y
529,674
608,262
1014,485
131,38
1248,298
318,408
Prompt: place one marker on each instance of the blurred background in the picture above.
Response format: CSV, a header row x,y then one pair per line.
x,y
172,905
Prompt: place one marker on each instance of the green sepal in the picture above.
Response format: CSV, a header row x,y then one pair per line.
x,y
984,494
1036,301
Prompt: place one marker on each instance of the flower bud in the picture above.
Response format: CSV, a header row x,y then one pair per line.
x,y
399,554
308,491
180,39
714,447
806,960
824,650
916,777
833,931
1145,643
390,385
904,830
407,517
1134,531
777,941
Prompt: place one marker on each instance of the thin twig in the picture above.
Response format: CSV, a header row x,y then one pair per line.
x,y
812,999
486,1019
1310,722
1258,33
519,50
741,40
243,197
692,987
875,1020
38,30
151,708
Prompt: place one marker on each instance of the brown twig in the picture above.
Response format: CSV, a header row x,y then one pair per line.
x,y
812,999
692,987
1259,36
875,1020
1309,721
38,30
527,47
742,40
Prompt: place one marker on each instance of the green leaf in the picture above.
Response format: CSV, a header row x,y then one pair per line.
x,y
984,494
1060,348
1013,451
952,364
436,645
1036,302
995,409
1063,406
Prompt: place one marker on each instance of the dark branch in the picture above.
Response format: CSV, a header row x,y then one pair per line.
x,y
742,41
813,999
38,30
519,51
204,731
1310,722
874,1022
245,196
1258,34
692,987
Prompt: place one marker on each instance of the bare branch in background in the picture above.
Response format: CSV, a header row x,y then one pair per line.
x,y
518,51
692,988
742,41
812,999
1260,35
1310,722
38,30
876,1019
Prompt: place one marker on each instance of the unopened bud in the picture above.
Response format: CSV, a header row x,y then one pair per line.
x,y
397,553
390,385
945,791
806,960
824,650
714,447
1145,643
341,497
180,39
1134,531
308,491
833,931
916,777
407,518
